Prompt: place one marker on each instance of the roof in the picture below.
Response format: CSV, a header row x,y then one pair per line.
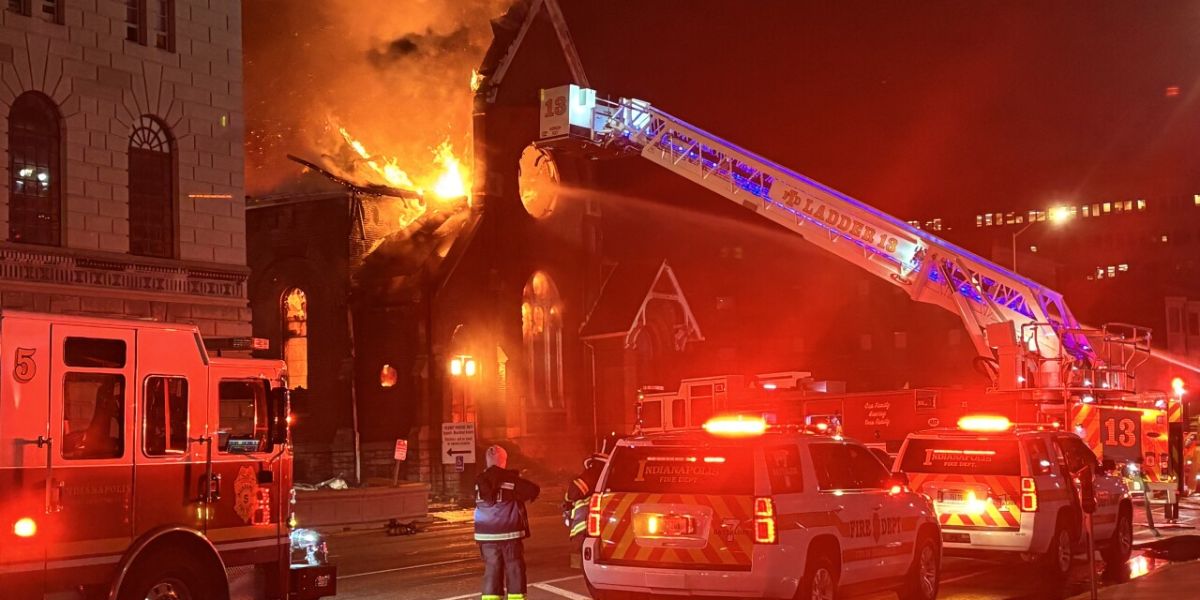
x,y
621,308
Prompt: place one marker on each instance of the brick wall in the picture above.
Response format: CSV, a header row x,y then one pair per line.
x,y
103,85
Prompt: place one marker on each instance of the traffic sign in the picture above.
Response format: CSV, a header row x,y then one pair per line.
x,y
458,442
401,450
459,465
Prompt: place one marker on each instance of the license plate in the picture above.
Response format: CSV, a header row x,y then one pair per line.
x,y
951,496
667,525
956,538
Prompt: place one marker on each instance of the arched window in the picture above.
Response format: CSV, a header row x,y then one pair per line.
x,y
295,337
35,170
151,190
541,326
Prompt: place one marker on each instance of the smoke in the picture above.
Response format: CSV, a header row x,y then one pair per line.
x,y
395,73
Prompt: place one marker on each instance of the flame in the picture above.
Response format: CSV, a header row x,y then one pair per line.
x,y
390,171
476,80
450,183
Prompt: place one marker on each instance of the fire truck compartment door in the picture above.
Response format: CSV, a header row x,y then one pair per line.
x,y
24,385
92,379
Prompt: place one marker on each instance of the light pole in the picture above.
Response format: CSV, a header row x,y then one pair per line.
x,y
1057,215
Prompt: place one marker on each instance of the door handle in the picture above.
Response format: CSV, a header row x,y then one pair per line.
x,y
52,503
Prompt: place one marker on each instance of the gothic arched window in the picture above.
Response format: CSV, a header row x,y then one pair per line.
x,y
35,171
541,327
151,189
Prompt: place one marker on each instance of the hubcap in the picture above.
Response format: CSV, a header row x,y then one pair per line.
x,y
1064,552
822,585
928,572
169,589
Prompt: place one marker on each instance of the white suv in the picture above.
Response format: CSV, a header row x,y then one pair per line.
x,y
741,509
1004,489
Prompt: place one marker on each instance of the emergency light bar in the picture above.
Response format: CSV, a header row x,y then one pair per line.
x,y
236,343
735,426
984,423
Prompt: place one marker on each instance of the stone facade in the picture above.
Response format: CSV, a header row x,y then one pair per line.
x,y
107,77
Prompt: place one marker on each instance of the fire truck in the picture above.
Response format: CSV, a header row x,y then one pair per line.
x,y
1039,358
136,465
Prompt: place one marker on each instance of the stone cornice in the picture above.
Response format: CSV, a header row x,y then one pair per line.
x,y
23,264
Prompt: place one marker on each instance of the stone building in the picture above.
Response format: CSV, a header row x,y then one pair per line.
x,y
122,138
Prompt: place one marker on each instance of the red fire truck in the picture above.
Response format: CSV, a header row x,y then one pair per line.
x,y
1041,360
135,465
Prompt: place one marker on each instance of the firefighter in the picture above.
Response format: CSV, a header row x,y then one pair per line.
x,y
501,524
575,503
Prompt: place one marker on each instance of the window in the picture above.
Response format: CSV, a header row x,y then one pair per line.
x,y
651,414
34,210
165,416
847,467
702,404
1076,453
151,190
295,337
967,457
541,328
164,26
243,416
1175,319
93,415
1193,322
679,412
716,470
135,21
47,10
783,469
94,353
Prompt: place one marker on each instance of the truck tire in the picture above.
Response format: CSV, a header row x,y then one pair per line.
x,y
1120,545
819,581
1057,559
168,575
921,583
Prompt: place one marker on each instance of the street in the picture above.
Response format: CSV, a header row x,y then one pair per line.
x,y
443,564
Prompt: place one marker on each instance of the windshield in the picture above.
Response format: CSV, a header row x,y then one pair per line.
x,y
724,470
961,456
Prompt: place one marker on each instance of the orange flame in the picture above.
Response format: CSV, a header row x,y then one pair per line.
x,y
476,80
389,170
448,182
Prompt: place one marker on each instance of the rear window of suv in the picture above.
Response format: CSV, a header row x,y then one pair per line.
x,y
727,470
962,456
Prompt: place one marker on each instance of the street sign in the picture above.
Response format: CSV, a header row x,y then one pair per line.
x,y
459,465
401,450
458,441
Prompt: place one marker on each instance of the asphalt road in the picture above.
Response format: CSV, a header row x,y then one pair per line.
x,y
443,563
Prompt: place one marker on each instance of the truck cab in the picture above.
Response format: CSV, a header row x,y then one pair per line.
x,y
131,458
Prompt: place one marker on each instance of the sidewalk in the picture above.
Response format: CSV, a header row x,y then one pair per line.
x,y
1187,524
1171,581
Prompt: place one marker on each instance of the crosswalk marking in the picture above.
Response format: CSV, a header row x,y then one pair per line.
x,y
545,586
559,591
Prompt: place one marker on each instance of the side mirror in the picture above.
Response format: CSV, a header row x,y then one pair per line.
x,y
277,413
898,480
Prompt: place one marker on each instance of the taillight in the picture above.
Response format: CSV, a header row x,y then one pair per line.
x,y
593,518
1029,500
764,521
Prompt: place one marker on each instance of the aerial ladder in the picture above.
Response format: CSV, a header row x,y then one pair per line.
x,y
1023,332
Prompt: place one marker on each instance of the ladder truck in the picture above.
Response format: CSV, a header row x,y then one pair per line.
x,y
1028,341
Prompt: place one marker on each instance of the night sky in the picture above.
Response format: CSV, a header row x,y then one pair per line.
x,y
926,108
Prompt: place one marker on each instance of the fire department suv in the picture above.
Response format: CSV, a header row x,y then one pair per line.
x,y
133,465
999,488
742,509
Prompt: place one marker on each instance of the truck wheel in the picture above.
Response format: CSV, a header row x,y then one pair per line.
x,y
921,583
1058,557
1120,546
819,581
168,575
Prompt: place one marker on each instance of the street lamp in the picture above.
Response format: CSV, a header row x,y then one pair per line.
x,y
463,365
1056,215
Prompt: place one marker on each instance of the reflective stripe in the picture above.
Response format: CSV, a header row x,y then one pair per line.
x,y
516,597
490,597
496,537
582,485
578,528
508,486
